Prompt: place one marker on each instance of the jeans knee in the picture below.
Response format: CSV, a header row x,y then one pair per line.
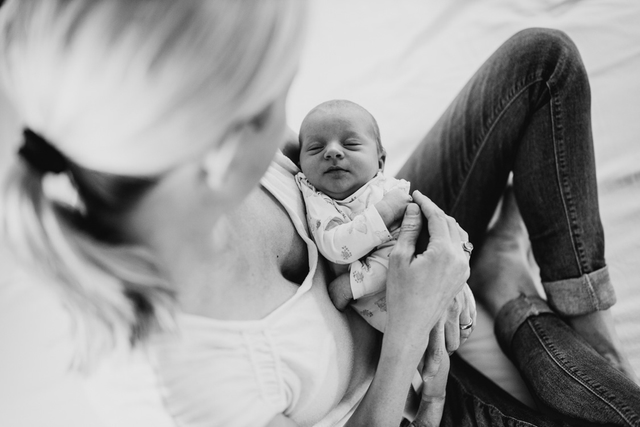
x,y
553,49
545,37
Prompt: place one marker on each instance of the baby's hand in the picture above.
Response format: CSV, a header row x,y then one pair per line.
x,y
392,206
340,291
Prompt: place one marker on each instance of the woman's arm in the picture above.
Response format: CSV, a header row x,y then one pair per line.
x,y
419,287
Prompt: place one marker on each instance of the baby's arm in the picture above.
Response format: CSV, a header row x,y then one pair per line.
x,y
392,206
340,240
369,276
366,277
344,242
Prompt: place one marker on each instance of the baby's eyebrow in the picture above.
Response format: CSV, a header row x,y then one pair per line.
x,y
311,138
349,134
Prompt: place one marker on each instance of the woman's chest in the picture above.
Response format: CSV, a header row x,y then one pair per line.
x,y
266,237
259,264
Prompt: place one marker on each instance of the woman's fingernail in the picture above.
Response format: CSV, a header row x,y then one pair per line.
x,y
412,210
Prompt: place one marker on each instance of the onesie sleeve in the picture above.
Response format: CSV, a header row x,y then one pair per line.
x,y
368,276
340,239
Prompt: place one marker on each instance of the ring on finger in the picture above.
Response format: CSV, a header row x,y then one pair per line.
x,y
465,326
467,247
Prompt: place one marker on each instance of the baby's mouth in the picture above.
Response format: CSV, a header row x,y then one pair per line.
x,y
335,169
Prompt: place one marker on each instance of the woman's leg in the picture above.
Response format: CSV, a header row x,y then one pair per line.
x,y
527,111
475,400
579,383
566,377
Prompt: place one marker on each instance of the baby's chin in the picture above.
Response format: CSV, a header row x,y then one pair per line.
x,y
337,194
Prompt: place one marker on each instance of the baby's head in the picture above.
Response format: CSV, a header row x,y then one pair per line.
x,y
340,148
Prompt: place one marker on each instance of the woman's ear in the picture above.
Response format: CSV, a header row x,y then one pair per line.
x,y
218,159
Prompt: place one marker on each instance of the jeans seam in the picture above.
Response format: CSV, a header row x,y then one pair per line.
x,y
576,235
493,121
561,176
562,363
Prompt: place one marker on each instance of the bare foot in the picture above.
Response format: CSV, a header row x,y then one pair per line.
x,y
500,270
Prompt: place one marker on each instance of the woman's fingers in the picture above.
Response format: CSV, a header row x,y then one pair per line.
x,y
464,239
467,319
431,211
434,389
460,319
441,225
452,332
420,287
436,218
435,353
405,247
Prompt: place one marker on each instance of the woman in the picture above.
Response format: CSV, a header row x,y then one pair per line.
x,y
163,116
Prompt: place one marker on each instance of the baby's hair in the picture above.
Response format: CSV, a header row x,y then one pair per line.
x,y
342,103
136,80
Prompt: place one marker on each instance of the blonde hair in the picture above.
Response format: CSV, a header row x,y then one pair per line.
x,y
127,89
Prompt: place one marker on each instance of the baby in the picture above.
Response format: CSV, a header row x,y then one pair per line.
x,y
353,210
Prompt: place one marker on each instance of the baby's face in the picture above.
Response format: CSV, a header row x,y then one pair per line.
x,y
338,152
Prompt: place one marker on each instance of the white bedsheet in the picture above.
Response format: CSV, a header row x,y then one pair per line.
x,y
404,60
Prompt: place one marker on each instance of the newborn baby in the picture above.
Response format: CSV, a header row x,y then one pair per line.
x,y
353,210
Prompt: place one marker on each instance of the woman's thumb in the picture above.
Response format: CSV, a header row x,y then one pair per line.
x,y
410,229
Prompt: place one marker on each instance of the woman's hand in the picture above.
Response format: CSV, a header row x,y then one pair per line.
x,y
460,319
434,376
434,393
420,286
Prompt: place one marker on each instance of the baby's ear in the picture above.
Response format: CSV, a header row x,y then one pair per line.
x,y
382,157
290,146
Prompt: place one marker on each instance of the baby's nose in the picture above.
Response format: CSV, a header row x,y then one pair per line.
x,y
334,150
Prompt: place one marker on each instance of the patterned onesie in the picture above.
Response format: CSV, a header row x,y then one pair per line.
x,y
351,234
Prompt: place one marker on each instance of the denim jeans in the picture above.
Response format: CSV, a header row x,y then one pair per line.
x,y
571,383
526,111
